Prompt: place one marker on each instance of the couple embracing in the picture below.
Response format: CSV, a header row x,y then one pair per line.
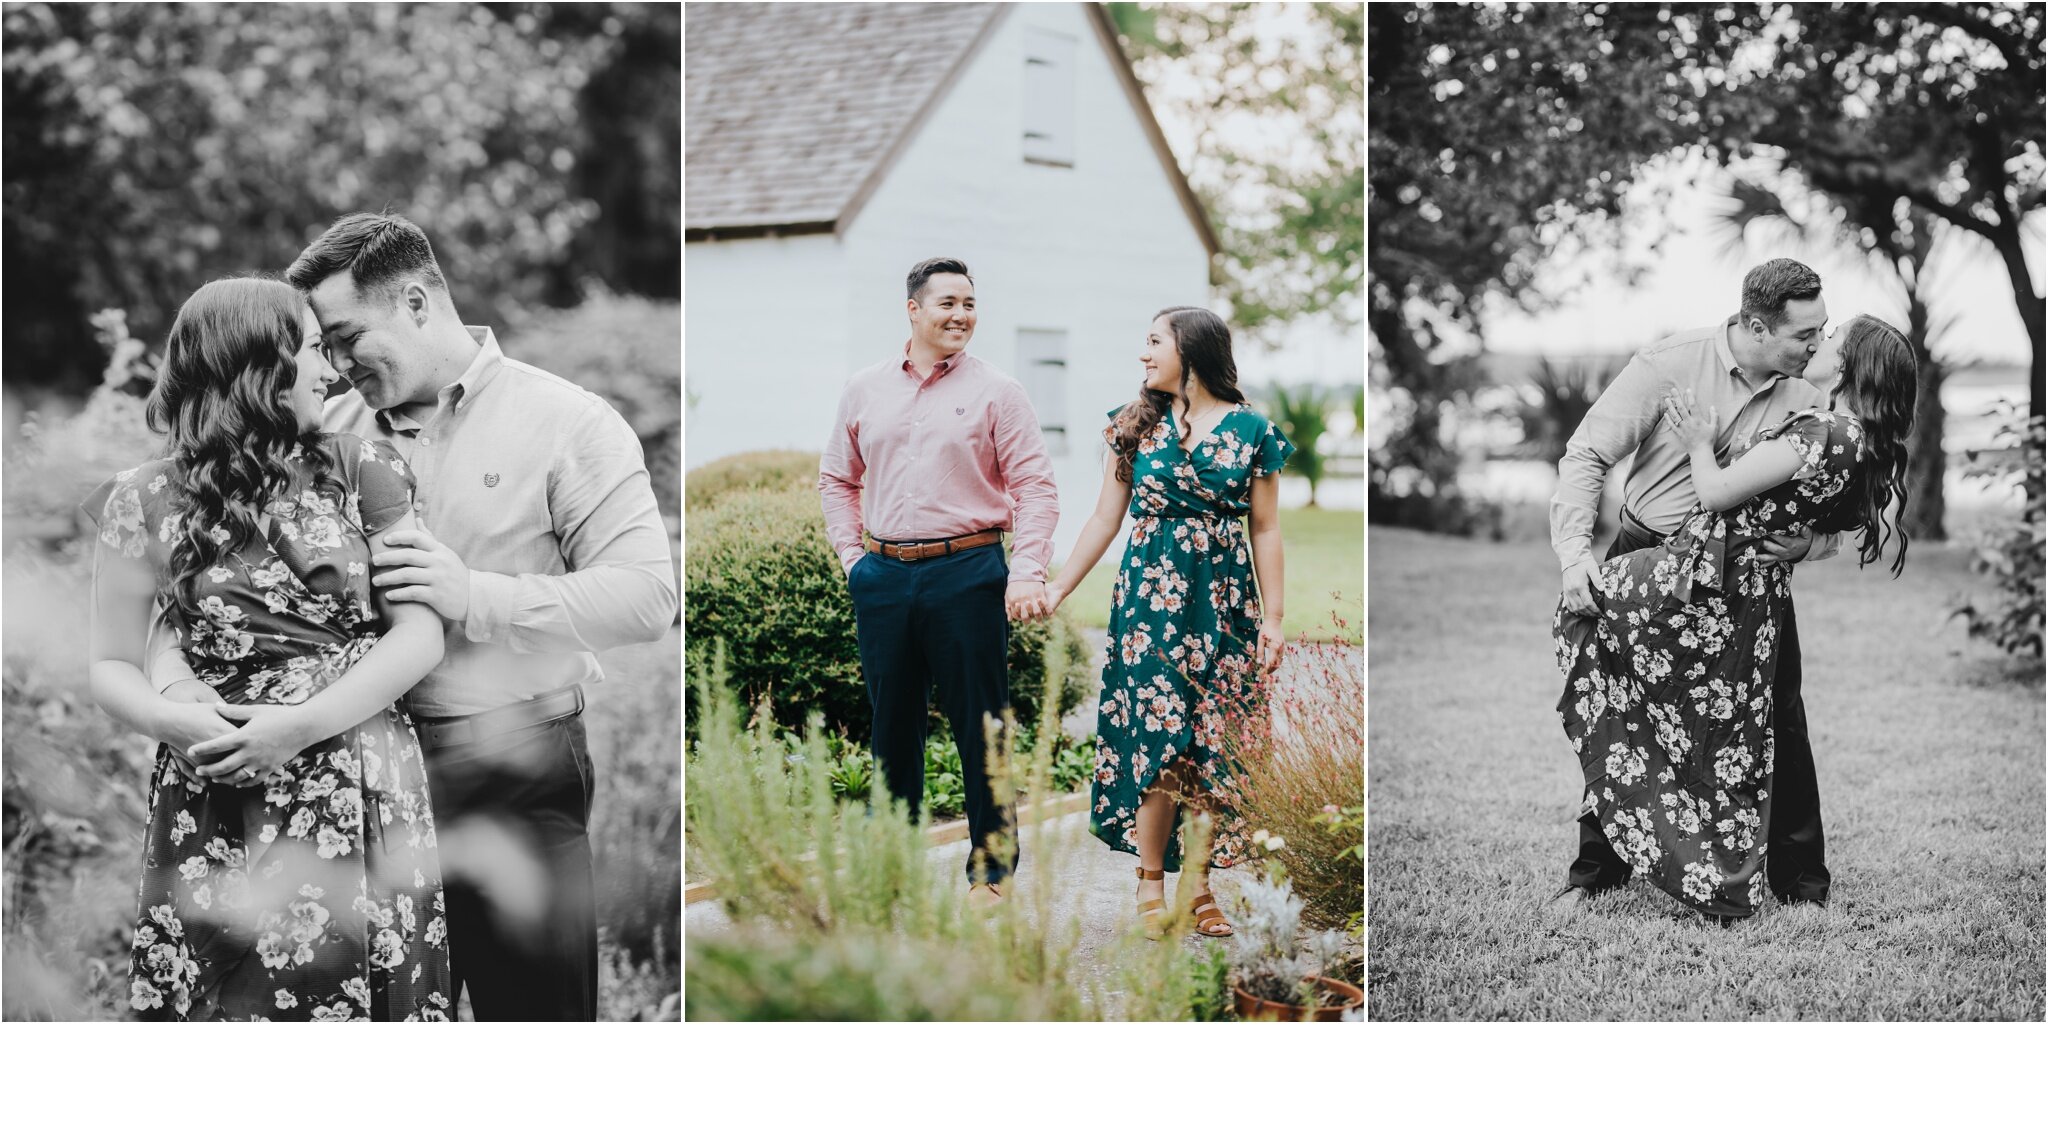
x,y
1757,442
935,454
372,788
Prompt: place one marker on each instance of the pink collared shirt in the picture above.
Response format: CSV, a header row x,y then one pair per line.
x,y
938,457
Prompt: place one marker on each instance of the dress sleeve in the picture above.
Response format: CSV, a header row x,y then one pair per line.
x,y
1827,444
1271,451
118,510
383,483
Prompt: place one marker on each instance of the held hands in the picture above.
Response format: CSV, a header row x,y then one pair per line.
x,y
1028,601
1694,428
426,571
268,736
192,721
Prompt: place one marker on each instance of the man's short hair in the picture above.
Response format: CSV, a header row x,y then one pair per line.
x,y
923,271
380,252
1767,288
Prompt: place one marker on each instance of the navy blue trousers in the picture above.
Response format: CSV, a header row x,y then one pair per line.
x,y
1796,864
938,623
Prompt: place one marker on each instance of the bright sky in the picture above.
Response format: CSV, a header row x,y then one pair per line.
x,y
1690,283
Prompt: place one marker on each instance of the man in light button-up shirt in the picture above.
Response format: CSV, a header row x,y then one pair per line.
x,y
1747,369
540,542
935,449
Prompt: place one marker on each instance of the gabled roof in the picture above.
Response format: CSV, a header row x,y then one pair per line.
x,y
793,113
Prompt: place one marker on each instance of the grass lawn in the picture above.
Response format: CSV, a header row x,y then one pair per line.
x,y
1325,563
1929,751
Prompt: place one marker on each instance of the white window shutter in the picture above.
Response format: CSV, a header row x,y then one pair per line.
x,y
1049,97
1042,368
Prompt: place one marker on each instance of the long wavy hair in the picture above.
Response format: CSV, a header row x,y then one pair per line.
x,y
1880,380
223,400
1203,340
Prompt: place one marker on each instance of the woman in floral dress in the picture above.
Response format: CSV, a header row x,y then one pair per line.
x,y
276,885
1190,634
1668,686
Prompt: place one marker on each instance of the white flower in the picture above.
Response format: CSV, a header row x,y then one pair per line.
x,y
286,1000
1275,843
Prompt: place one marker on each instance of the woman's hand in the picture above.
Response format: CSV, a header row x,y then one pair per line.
x,y
1055,593
1272,641
267,736
186,724
1694,429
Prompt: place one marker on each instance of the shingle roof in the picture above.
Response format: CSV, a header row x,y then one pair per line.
x,y
790,108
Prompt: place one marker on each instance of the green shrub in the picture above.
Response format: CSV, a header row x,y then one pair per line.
x,y
628,349
773,470
2013,554
762,579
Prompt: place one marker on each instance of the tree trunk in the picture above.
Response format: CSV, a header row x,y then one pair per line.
x,y
2032,314
1926,506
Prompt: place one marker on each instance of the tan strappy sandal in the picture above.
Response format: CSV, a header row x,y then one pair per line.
x,y
1152,914
1209,920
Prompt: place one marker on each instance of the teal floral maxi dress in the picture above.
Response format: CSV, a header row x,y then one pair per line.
x,y
316,896
1668,687
1183,626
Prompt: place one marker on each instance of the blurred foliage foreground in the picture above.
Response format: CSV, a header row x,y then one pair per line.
x,y
75,783
840,914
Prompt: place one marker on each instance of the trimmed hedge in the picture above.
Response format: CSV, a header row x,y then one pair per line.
x,y
775,470
761,577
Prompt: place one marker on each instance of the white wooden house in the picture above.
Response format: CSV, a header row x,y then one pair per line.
x,y
828,147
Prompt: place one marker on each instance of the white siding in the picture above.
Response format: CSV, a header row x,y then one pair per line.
x,y
764,344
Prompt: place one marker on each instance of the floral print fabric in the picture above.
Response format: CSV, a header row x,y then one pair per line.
x,y
316,896
1183,625
1668,687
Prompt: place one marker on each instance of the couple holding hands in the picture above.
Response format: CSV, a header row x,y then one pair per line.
x,y
935,453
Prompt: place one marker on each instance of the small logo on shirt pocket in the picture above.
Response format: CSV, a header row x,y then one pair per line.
x,y
490,479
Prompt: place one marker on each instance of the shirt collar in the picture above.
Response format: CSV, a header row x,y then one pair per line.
x,y
942,367
1726,356
481,371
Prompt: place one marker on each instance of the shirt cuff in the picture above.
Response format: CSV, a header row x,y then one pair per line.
x,y
490,606
1028,572
849,556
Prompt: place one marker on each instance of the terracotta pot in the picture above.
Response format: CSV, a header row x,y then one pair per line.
x,y
1250,1006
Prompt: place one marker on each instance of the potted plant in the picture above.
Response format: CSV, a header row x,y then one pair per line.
x,y
1271,976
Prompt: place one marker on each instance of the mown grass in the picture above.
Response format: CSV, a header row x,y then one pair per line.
x,y
1325,567
1929,749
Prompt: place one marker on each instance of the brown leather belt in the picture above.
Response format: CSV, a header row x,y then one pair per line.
x,y
446,733
936,548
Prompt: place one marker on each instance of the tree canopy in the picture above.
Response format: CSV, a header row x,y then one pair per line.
x,y
1287,214
1498,133
150,148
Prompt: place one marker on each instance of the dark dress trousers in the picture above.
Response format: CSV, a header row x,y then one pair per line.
x,y
938,622
513,816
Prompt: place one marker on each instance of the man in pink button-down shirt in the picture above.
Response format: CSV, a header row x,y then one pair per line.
x,y
935,452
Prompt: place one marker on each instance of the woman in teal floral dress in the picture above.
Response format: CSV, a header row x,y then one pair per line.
x,y
1190,633
1668,685
276,885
